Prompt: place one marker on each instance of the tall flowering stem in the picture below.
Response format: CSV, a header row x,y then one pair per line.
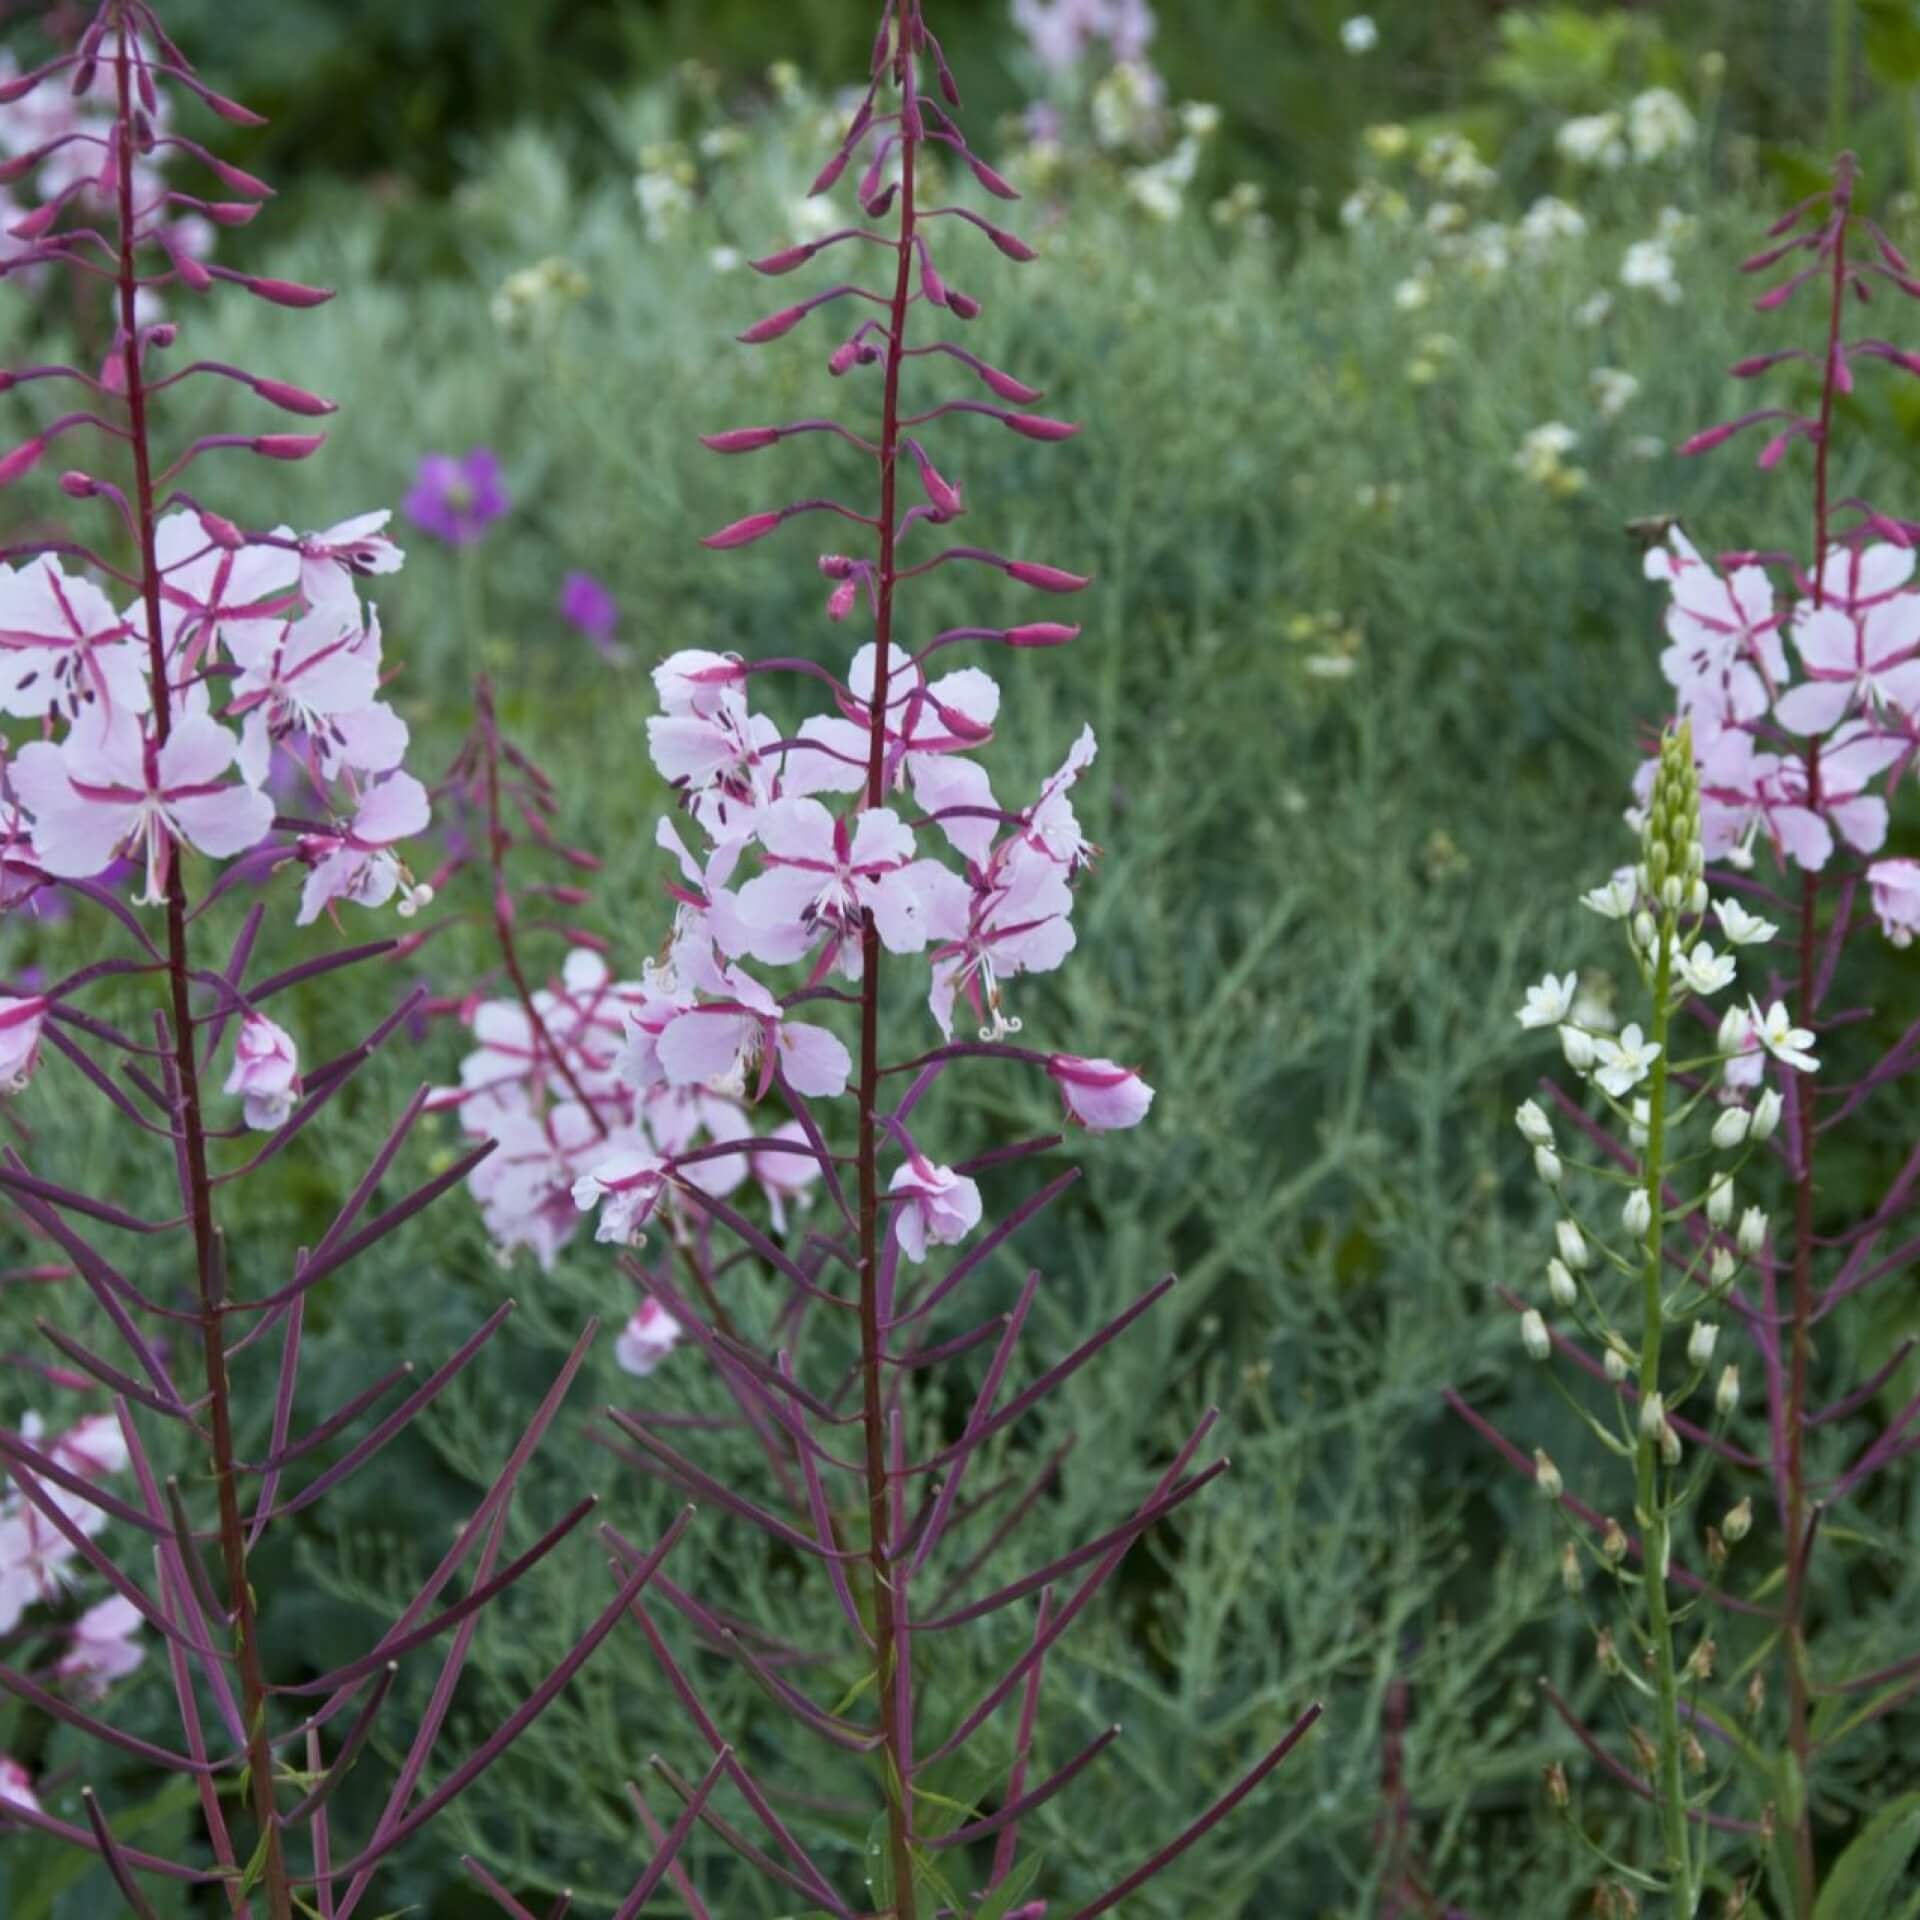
x,y
245,659
849,847
1802,769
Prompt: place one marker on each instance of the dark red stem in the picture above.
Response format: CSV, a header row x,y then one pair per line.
x,y
209,1261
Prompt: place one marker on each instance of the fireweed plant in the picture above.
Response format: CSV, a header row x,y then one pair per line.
x,y
211,695
1688,1181
867,836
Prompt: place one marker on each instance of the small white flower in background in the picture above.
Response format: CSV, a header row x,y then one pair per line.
x,y
1731,1128
1444,217
1201,118
266,1070
1541,457
1452,160
1535,1128
1359,35
1766,1114
1741,928
1787,1043
1593,1005
1647,267
1579,1049
1726,1396
1615,900
1549,220
726,259
1751,1235
1720,1199
1546,1163
1534,1336
1594,311
1704,971
1573,1245
1616,1362
1636,1213
1593,140
1413,292
1700,1342
1561,1284
1546,1476
665,200
1550,1002
1612,390
1659,125
648,1337
1625,1062
1484,252
1647,446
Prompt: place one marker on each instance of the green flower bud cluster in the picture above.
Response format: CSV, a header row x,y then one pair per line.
x,y
1671,850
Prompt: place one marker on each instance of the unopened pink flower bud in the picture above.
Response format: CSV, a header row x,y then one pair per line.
x,y
835,566
283,293
881,203
229,213
773,326
743,533
840,600
1047,579
785,260
831,172
294,399
843,357
963,306
288,446
21,459
192,273
1036,427
35,224
740,439
994,183
1011,245
931,285
1098,1094
1041,633
221,531
77,485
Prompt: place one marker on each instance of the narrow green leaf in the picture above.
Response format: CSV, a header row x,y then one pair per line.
x,y
1006,1896
1865,1879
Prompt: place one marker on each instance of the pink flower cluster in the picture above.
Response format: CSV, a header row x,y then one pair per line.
x,y
1802,764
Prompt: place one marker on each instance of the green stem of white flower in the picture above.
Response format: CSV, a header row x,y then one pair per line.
x,y
1670,1793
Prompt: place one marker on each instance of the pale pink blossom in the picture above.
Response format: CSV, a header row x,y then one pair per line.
x,y
357,862
319,679
1896,899
820,879
330,561
934,1206
625,1184
718,754
266,1072
92,1447
21,1023
16,1783
651,1333
740,1034
101,1648
525,1186
675,1118
1099,1095
1008,918
1725,655
1857,659
112,785
695,681
212,595
63,647
784,1177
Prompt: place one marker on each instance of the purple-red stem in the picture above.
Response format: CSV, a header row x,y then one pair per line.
x,y
886,1648
209,1263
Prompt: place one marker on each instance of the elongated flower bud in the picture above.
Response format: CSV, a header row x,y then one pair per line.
x,y
1546,1476
1731,1128
1560,1283
1636,1215
1535,1128
1700,1342
1534,1336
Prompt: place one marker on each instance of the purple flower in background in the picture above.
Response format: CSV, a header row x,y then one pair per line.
x,y
457,500
588,605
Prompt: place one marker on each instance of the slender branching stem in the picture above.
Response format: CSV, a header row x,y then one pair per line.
x,y
1656,1516
886,1649
209,1261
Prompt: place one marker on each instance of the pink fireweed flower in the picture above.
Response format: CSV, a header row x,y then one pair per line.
x,y
1896,899
213,595
1859,658
1099,1095
695,681
1050,826
935,1206
102,1648
457,500
626,1186
1852,757
1009,918
63,647
676,1118
16,1785
330,561
21,1023
651,1333
93,1447
358,863
1725,654
319,678
719,754
740,1035
524,1188
820,879
266,1072
111,785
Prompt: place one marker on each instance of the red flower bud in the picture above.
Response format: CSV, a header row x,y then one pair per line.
x,y
192,273
840,600
743,533
229,213
37,222
1047,579
1041,633
740,439
20,459
78,486
786,260
989,179
294,399
963,306
221,531
1037,427
773,326
1011,245
842,357
283,293
288,446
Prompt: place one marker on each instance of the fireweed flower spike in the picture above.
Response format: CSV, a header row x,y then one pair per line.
x,y
862,859
1780,787
154,704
